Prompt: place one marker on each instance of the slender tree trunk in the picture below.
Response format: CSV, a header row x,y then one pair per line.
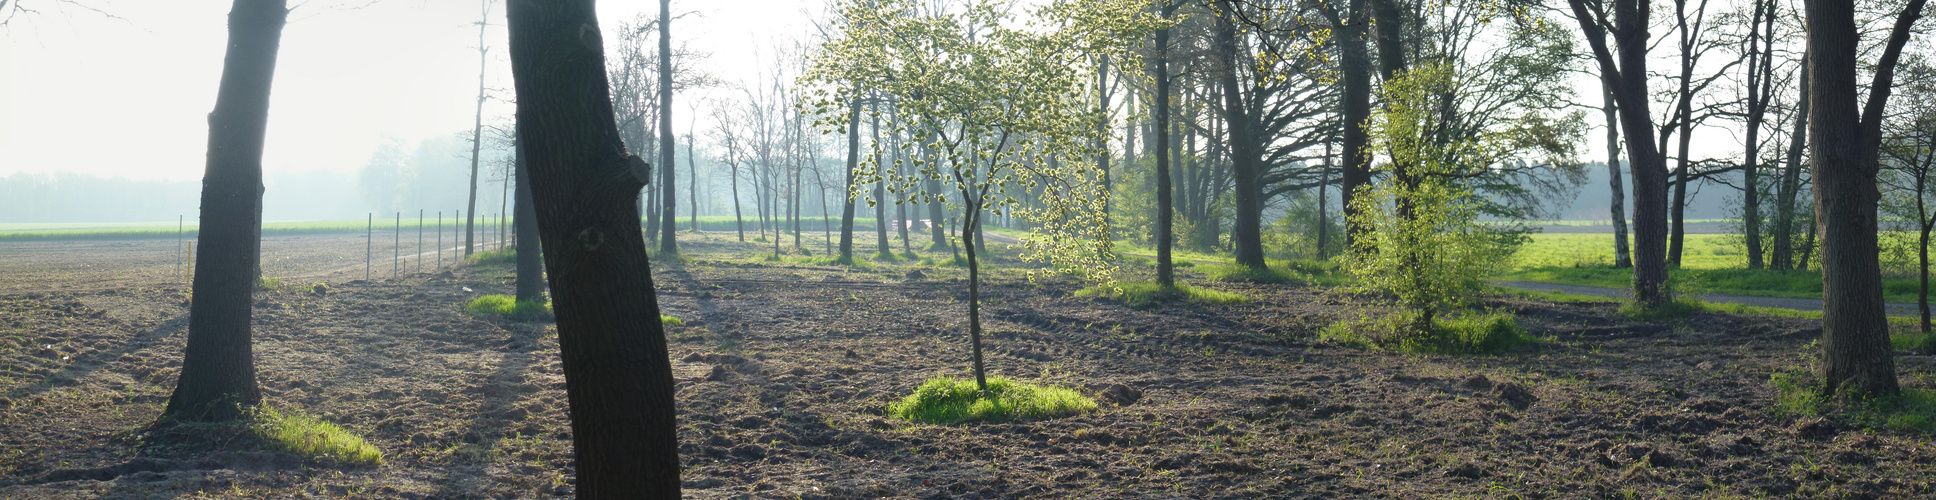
x,y
1102,133
971,222
739,221
218,364
477,140
1628,71
853,161
880,192
668,220
1922,256
618,377
530,264
1760,89
1324,223
1165,215
692,184
1621,256
1677,213
1791,180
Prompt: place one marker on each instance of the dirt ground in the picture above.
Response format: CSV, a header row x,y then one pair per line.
x,y
785,371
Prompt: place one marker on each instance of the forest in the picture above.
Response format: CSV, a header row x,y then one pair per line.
x,y
969,249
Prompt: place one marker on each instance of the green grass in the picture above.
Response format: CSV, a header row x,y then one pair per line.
x,y
1548,296
1799,394
1468,333
305,435
493,257
944,401
1146,293
670,320
505,306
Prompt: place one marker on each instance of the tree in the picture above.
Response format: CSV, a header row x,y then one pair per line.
x,y
669,227
1000,103
584,187
1622,256
530,287
218,364
1845,136
1159,69
1628,75
1909,153
477,133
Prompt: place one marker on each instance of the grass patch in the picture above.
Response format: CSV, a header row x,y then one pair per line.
x,y
505,306
273,285
1469,333
670,320
1798,394
1752,282
1243,273
305,435
944,401
492,257
1146,293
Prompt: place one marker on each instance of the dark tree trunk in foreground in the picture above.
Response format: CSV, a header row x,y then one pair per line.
x,y
1845,138
1246,234
1355,108
530,267
668,220
618,379
1159,68
1628,73
218,365
1621,256
853,161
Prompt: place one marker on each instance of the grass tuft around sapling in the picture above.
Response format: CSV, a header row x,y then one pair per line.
x,y
945,401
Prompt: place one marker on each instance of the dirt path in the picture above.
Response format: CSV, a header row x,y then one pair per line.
x,y
1798,304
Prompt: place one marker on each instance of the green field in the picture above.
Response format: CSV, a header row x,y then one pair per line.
x,y
1710,263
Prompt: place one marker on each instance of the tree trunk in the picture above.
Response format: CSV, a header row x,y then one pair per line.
x,y
853,161
1649,169
618,378
1856,356
1102,133
218,364
880,187
668,220
971,222
692,186
1165,215
1760,89
739,220
1246,235
477,141
530,267
1621,258
1783,258
1355,107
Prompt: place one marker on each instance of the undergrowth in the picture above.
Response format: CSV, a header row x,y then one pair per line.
x,y
1469,333
1243,273
1799,394
944,400
506,256
1147,293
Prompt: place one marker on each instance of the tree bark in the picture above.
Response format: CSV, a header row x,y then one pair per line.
x,y
1165,215
1354,66
1246,235
971,222
668,219
1783,258
853,161
530,264
1629,74
1856,356
1621,257
218,364
739,220
618,378
1760,89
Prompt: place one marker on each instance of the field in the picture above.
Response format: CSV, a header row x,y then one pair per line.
x,y
1710,263
785,370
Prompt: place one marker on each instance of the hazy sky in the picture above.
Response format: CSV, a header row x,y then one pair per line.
x,y
129,97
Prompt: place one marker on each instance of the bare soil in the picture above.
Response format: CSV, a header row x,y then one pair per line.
x,y
785,370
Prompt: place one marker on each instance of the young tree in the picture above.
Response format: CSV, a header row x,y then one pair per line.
x,y
1845,135
618,378
669,226
995,98
218,363
477,133
1909,168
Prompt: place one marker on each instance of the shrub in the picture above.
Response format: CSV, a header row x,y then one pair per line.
x,y
1471,333
505,306
944,400
305,435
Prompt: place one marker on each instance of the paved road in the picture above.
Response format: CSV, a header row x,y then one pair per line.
x,y
1895,308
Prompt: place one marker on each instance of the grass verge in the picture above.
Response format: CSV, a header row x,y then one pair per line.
x,y
1468,333
1146,293
944,401
491,257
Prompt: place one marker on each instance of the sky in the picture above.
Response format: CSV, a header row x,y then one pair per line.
x,y
128,96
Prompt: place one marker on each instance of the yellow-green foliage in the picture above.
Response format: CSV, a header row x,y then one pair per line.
x,y
305,435
670,320
1472,333
504,305
1145,293
944,400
